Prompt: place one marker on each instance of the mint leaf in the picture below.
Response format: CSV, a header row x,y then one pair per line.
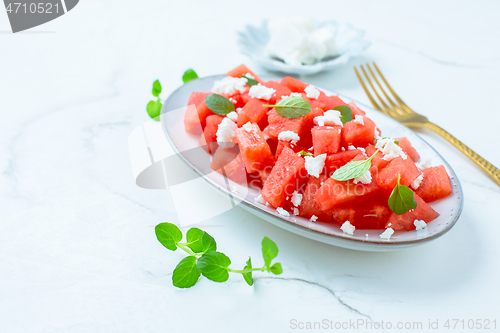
x,y
156,88
154,109
292,107
269,252
248,276
186,274
219,104
346,113
276,269
200,241
168,235
250,81
213,266
189,75
402,199
304,153
353,169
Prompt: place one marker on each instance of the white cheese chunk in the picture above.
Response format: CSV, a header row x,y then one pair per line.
x,y
261,92
359,119
260,199
331,117
295,211
390,149
233,116
296,198
314,165
289,136
419,224
348,228
248,127
422,165
226,135
311,92
386,235
365,178
417,181
282,212
313,218
229,85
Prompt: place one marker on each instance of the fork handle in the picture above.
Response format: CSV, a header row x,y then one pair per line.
x,y
486,166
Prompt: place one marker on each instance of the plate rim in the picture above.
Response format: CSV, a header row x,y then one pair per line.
x,y
366,245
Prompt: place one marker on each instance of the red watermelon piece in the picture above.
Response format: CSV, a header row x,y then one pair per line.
x,y
405,144
252,112
229,162
359,135
377,160
293,84
334,193
284,179
335,161
210,132
254,149
308,207
278,124
436,184
326,139
281,90
242,70
388,176
369,214
192,121
330,102
355,110
405,221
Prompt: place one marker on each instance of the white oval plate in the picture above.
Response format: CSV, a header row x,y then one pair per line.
x,y
365,240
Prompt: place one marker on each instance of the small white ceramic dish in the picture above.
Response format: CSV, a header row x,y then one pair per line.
x,y
252,42
366,240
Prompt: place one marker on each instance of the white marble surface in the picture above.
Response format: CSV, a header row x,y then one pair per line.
x,y
77,246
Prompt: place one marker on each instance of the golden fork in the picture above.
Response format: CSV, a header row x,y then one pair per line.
x,y
401,112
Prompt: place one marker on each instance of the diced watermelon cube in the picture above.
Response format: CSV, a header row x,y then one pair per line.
x,y
210,131
405,144
359,135
285,178
308,207
252,112
197,97
254,149
229,163
326,139
281,90
334,193
282,144
405,221
203,113
192,121
369,214
330,101
436,184
293,84
388,176
278,124
377,160
242,70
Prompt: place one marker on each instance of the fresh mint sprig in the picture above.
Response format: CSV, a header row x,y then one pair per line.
x,y
292,107
189,75
219,104
204,259
154,106
346,113
250,82
353,169
402,199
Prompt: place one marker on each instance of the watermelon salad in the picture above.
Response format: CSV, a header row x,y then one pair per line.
x,y
294,159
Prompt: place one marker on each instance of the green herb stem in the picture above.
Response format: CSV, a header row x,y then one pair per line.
x,y
248,270
183,246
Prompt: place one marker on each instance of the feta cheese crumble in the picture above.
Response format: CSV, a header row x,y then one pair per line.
x,y
226,135
250,76
424,164
314,165
296,198
295,211
294,94
260,199
313,218
365,178
348,228
238,110
390,149
261,92
417,181
376,133
419,224
229,85
331,117
311,92
386,235
282,212
233,116
359,119
248,127
289,136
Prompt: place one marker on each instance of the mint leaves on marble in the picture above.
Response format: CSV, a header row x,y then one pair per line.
x,y
189,75
204,259
402,199
154,106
